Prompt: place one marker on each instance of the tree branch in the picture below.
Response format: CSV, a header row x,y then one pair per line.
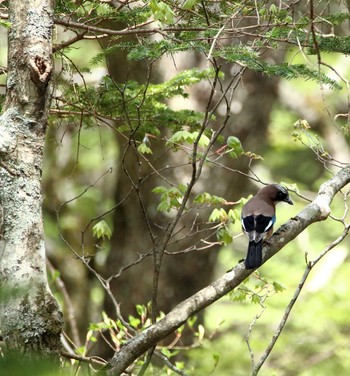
x,y
317,210
297,292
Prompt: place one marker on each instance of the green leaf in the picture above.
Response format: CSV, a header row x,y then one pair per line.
x,y
160,189
273,8
256,299
5,24
90,336
189,4
224,236
201,332
101,230
141,309
162,12
180,329
182,137
144,149
120,325
203,140
235,146
233,215
169,353
182,188
239,295
55,274
216,358
170,198
278,287
134,321
206,198
191,321
163,207
218,215
214,216
180,365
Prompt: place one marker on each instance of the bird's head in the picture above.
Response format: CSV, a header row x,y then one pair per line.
x,y
279,194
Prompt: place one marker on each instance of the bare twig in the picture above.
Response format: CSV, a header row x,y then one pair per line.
x,y
92,359
71,320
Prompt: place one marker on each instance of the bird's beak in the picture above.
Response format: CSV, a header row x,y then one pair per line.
x,y
289,201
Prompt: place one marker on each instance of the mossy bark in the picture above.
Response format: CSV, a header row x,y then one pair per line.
x,y
30,318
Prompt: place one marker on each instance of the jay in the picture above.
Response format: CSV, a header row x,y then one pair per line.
x,y
258,218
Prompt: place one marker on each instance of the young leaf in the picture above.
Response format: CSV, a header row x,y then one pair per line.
x,y
102,230
180,365
5,24
235,146
224,236
255,299
233,215
203,140
169,353
162,12
278,287
144,149
191,321
201,332
160,189
218,215
239,295
134,321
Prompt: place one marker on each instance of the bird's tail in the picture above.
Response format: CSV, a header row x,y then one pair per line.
x,y
254,255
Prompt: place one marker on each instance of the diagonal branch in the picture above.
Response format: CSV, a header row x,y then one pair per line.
x,y
297,292
317,210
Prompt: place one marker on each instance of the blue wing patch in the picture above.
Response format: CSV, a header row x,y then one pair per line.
x,y
263,224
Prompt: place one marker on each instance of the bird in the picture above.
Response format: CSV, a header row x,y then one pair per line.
x,y
258,217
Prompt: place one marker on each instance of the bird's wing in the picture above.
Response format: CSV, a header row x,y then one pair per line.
x,y
256,227
264,223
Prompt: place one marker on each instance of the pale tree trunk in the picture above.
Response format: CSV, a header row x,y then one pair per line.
x,y
30,317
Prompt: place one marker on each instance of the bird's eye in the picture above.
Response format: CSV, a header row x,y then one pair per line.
x,y
281,195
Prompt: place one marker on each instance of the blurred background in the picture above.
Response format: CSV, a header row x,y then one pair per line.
x,y
102,216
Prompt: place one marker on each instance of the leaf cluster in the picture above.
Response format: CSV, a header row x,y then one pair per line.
x,y
101,230
257,290
170,198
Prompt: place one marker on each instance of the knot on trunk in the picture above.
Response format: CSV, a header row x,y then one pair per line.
x,y
40,69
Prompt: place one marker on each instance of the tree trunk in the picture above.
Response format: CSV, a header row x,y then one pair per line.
x,y
30,317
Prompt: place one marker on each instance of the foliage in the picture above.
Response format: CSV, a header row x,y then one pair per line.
x,y
258,292
101,230
142,107
172,148
153,128
119,333
170,198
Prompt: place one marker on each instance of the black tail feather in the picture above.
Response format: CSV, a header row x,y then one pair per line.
x,y
254,255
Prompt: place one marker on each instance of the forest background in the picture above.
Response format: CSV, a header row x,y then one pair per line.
x,y
164,118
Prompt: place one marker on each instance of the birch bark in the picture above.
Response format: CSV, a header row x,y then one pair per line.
x,y
30,318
